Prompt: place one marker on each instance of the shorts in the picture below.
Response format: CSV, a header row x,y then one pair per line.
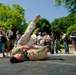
x,y
11,43
74,44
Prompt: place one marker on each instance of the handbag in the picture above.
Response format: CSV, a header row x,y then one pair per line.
x,y
3,39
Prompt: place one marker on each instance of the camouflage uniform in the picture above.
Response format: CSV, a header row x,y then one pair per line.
x,y
25,38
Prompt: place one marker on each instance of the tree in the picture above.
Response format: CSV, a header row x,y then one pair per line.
x,y
59,24
69,30
69,4
44,25
12,15
62,24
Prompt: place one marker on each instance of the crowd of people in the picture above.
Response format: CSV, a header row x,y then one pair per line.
x,y
11,40
34,47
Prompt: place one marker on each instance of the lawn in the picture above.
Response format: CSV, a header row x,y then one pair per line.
x,y
70,47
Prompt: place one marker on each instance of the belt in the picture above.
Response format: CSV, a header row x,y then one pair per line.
x,y
25,54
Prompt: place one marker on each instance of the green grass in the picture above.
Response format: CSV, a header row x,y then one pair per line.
x,y
62,47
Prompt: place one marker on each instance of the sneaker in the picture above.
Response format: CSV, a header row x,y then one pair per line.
x,y
60,51
7,56
4,56
74,52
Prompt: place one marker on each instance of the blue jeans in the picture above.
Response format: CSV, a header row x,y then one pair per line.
x,y
56,49
66,46
52,47
1,45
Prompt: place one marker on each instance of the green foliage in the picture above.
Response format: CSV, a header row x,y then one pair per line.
x,y
58,2
44,25
69,4
12,15
72,18
69,30
61,24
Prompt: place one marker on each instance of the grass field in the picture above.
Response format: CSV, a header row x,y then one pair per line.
x,y
70,47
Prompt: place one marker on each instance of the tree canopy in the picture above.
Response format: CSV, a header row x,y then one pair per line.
x,y
15,15
62,24
70,28
12,15
69,4
44,25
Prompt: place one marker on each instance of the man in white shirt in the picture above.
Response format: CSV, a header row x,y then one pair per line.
x,y
65,43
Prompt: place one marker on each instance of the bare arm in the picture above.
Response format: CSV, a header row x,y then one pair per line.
x,y
27,47
72,36
45,38
39,48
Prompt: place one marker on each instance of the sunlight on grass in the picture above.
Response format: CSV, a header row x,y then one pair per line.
x,y
62,47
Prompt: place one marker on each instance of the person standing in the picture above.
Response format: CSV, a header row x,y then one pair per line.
x,y
11,35
47,39
57,45
53,37
39,37
65,42
73,38
2,34
1,44
18,35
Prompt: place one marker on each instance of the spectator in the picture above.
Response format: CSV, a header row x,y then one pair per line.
x,y
73,38
2,33
47,39
65,42
11,35
18,35
53,37
57,45
33,39
39,37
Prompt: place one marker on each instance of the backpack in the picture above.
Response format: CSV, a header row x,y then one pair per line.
x,y
3,38
68,38
11,34
73,34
